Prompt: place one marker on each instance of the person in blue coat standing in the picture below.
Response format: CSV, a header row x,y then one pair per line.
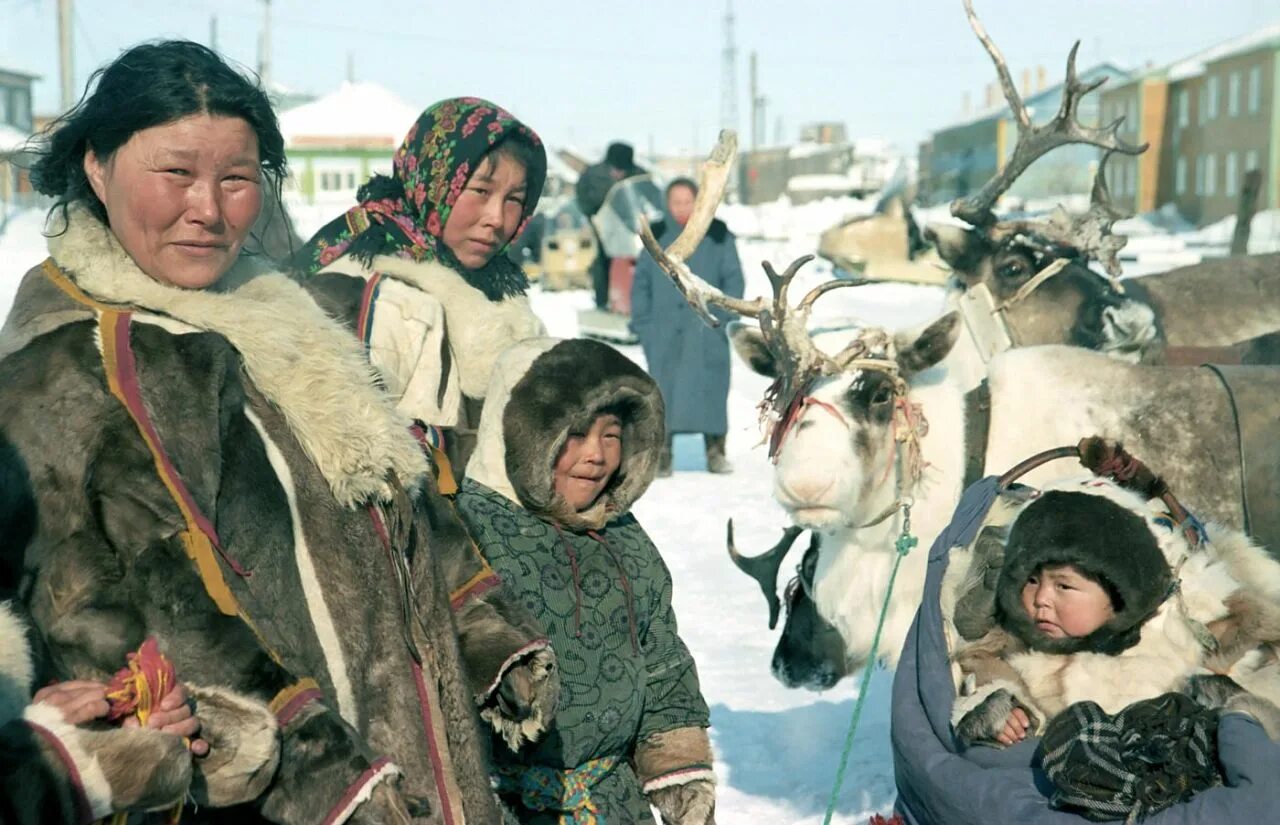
x,y
688,359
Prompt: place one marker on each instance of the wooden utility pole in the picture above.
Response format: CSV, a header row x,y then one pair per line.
x,y
1248,205
264,47
65,64
755,105
213,32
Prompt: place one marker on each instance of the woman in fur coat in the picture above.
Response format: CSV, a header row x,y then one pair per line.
x,y
571,436
418,268
191,451
1178,610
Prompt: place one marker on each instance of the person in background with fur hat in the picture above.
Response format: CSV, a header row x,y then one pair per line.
x,y
591,192
569,440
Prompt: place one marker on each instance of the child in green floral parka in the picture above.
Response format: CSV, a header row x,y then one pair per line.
x,y
570,437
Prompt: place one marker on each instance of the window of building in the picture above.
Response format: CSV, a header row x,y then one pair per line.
x,y
22,109
4,105
1132,118
1202,105
1251,160
1184,108
1229,175
1199,174
1133,177
1210,178
1180,176
1255,89
1233,94
1211,87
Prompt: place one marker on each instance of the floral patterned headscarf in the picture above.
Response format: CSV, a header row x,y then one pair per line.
x,y
405,214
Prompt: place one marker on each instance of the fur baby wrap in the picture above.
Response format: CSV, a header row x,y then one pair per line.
x,y
939,783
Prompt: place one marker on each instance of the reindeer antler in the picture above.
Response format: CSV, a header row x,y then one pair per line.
x,y
784,327
1034,141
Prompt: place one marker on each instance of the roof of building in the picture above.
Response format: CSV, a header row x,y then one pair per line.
x,y
8,68
364,114
1049,93
1195,64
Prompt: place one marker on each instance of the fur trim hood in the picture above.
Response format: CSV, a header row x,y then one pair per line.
x,y
543,389
309,366
1099,536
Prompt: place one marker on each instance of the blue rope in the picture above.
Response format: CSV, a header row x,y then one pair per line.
x,y
903,545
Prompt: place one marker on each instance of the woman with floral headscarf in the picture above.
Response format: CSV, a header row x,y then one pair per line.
x,y
418,268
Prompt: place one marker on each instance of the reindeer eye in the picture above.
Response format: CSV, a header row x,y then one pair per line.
x,y
882,396
1011,270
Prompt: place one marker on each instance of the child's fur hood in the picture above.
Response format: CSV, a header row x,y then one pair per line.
x,y
543,389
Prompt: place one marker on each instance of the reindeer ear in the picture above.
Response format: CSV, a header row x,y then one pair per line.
x,y
920,349
749,343
959,247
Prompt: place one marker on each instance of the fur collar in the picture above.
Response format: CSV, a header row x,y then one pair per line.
x,y
17,674
479,329
301,360
541,390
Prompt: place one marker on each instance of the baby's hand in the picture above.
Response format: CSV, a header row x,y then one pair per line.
x,y
1000,719
1015,727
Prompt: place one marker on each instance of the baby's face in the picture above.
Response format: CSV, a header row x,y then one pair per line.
x,y
1065,604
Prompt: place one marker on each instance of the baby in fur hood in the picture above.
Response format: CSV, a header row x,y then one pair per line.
x,y
1086,591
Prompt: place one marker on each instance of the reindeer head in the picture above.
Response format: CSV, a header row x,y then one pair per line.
x,y
837,441
1019,261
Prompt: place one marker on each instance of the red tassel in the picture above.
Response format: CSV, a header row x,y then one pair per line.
x,y
877,819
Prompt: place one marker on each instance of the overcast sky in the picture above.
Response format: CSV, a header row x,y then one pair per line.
x,y
584,72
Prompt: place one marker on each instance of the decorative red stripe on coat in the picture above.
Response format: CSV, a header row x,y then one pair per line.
x,y
131,390
84,811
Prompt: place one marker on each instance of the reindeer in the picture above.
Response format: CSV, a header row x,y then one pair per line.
x,y
886,245
881,431
1032,279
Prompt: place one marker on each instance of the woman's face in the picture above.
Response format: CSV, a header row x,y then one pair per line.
x,y
182,197
487,213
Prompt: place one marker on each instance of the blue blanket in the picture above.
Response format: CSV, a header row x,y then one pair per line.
x,y
940,785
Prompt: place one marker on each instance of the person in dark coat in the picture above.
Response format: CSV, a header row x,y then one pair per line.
x,y
689,360
592,189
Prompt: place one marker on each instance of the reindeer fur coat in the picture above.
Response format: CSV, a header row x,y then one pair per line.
x,y
265,412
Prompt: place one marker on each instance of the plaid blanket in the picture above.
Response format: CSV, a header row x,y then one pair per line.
x,y
1149,756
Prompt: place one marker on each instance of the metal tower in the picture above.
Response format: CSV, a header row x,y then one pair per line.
x,y
729,77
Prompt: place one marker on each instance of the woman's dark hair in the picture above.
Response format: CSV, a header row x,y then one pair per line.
x,y
686,182
150,85
518,147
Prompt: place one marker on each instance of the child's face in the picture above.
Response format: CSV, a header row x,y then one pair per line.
x,y
1065,604
587,461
